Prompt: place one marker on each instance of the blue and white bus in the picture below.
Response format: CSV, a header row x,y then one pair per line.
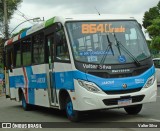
x,y
80,63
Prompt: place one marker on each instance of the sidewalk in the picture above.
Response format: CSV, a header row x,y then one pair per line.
x,y
1,91
2,94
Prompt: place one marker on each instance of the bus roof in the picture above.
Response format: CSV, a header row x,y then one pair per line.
x,y
63,19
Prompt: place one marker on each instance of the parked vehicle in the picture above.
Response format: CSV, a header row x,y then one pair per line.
x,y
157,68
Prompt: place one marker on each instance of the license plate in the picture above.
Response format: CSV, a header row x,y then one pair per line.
x,y
124,102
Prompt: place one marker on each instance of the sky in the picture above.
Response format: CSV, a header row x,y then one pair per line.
x,y
49,8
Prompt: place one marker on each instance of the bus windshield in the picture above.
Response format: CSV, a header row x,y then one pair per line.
x,y
107,42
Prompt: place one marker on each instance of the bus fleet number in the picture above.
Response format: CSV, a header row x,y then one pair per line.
x,y
92,28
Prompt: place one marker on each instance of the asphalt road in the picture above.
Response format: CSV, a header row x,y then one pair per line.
x,y
11,111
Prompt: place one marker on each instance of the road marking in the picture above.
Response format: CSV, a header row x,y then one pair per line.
x,y
155,120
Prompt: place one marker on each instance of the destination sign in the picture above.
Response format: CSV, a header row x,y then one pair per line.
x,y
103,28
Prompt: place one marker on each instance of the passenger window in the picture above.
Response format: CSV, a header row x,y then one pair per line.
x,y
9,57
38,48
26,52
17,49
62,53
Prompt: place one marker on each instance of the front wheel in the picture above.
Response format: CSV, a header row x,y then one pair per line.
x,y
72,114
24,104
133,110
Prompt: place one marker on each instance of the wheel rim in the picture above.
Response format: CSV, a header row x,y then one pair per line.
x,y
70,110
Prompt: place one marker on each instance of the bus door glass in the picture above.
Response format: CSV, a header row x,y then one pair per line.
x,y
50,41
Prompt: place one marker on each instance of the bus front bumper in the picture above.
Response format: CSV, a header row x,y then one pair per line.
x,y
86,100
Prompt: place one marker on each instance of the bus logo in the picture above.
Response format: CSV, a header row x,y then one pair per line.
x,y
124,86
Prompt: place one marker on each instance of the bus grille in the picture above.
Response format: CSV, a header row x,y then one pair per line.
x,y
114,101
123,91
104,74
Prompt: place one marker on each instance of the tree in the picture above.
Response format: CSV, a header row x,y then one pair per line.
x,y
150,15
11,7
1,53
154,28
151,22
154,33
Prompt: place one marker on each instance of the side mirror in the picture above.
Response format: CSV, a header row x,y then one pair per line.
x,y
59,34
58,39
59,27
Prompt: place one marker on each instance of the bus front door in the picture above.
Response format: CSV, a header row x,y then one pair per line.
x,y
52,87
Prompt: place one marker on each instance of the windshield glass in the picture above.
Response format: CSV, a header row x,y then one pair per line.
x,y
99,42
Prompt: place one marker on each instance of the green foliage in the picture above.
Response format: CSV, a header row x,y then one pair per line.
x,y
1,53
12,6
150,15
156,42
1,65
149,44
154,28
151,22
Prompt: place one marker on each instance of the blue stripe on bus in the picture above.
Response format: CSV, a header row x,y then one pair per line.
x,y
65,80
16,81
133,82
31,92
34,81
24,33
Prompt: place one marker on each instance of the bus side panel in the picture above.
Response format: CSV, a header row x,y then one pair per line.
x,y
14,94
33,81
11,86
38,85
16,81
42,98
64,78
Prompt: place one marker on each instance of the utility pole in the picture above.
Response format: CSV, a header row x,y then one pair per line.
x,y
5,19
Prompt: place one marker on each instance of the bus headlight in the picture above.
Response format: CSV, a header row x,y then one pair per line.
x,y
89,86
150,81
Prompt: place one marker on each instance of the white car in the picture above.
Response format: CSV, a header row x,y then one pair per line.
x,y
157,66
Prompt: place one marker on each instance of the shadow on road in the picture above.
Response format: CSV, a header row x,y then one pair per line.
x,y
90,116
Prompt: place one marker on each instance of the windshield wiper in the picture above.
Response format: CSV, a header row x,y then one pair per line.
x,y
109,47
120,45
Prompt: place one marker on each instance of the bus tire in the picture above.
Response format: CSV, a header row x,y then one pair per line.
x,y
25,106
72,115
133,110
